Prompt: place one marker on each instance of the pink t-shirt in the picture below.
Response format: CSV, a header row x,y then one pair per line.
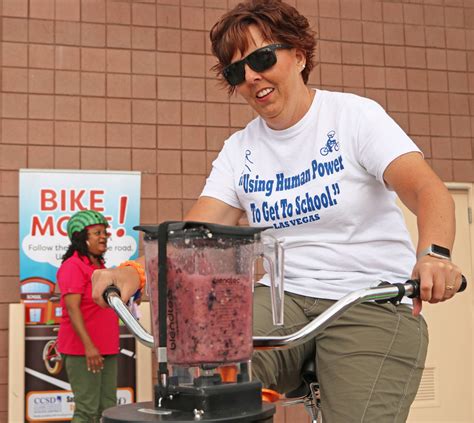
x,y
74,277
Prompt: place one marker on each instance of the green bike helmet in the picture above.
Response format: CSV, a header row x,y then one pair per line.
x,y
83,219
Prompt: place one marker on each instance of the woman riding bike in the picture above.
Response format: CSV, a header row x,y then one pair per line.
x,y
353,233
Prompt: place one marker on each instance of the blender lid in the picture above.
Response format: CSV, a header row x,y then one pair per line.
x,y
200,230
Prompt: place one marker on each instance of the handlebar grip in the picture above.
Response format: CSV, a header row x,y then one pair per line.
x,y
415,283
416,286
463,284
111,289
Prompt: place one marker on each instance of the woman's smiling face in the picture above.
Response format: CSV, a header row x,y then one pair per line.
x,y
97,237
274,94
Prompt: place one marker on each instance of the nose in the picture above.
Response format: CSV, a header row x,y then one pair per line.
x,y
251,75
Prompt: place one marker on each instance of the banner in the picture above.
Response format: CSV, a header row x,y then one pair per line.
x,y
48,198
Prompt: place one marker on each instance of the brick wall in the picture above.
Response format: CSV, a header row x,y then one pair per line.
x,y
125,85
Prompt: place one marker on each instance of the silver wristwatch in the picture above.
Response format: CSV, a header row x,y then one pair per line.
x,y
436,251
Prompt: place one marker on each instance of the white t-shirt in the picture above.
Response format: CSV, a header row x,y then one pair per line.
x,y
319,185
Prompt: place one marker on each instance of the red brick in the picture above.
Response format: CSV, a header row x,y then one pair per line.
x,y
144,14
169,210
192,186
194,162
8,214
169,186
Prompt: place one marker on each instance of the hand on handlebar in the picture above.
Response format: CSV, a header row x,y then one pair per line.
x,y
439,279
125,278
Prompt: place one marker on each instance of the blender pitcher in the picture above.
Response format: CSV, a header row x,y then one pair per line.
x,y
208,273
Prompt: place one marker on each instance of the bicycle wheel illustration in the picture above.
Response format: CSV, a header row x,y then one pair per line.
x,y
52,358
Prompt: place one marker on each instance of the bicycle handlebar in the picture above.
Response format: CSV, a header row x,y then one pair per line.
x,y
384,292
111,295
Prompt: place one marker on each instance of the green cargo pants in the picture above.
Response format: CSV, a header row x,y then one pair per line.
x,y
369,361
93,392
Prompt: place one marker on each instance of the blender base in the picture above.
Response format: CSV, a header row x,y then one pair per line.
x,y
143,412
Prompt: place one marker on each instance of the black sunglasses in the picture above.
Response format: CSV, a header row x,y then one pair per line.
x,y
259,60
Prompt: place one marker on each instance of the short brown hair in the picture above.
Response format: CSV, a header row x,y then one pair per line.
x,y
277,21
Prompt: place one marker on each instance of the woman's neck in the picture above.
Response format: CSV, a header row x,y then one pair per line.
x,y
94,260
302,103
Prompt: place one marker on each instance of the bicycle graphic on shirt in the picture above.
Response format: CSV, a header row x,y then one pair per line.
x,y
331,144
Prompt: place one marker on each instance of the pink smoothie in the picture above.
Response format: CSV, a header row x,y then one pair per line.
x,y
209,316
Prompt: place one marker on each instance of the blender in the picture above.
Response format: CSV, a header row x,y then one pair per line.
x,y
200,279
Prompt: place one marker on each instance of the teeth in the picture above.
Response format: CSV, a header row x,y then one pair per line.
x,y
264,92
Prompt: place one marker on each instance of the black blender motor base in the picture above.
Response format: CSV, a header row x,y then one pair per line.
x,y
143,412
209,393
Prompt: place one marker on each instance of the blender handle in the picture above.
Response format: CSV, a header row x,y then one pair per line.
x,y
112,297
276,274
383,293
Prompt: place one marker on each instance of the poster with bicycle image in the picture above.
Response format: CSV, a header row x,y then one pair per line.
x,y
47,199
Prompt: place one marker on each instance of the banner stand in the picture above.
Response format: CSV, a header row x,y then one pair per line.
x,y
16,363
47,200
144,365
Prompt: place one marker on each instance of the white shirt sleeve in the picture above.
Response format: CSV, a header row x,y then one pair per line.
x,y
380,140
220,183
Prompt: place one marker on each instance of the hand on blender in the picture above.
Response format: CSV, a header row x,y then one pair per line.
x,y
128,278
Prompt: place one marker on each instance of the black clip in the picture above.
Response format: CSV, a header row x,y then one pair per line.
x,y
394,300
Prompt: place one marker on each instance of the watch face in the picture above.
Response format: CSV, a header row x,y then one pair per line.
x,y
440,250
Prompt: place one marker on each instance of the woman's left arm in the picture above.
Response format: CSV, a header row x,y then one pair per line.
x,y
421,190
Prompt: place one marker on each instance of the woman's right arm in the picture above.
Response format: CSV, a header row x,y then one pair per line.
x,y
95,362
206,209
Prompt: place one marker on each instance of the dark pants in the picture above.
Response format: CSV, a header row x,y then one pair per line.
x,y
93,392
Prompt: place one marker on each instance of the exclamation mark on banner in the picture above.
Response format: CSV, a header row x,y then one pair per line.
x,y
122,212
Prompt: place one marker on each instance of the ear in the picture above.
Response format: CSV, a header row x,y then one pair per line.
x,y
300,58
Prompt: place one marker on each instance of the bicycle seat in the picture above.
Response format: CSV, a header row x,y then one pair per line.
x,y
308,376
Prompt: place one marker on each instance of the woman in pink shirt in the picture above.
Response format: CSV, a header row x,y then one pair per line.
x,y
89,334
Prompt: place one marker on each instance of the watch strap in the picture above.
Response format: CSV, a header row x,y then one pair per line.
x,y
436,251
